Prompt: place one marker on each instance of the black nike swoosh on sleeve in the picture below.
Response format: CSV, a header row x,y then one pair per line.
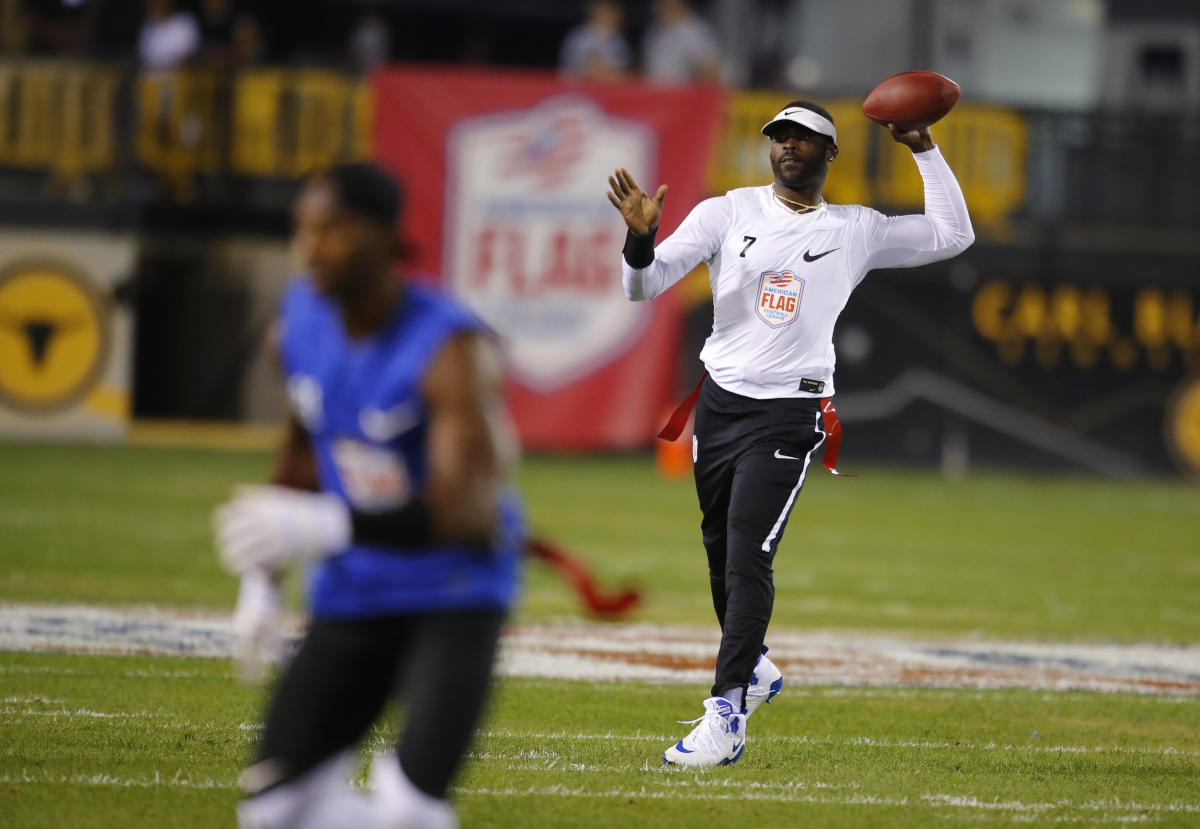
x,y
808,257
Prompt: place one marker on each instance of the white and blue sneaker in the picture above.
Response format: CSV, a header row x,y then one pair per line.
x,y
718,740
765,683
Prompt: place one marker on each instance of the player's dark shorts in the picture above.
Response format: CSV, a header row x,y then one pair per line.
x,y
752,457
438,664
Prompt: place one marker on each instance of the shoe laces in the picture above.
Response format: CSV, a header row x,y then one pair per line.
x,y
712,731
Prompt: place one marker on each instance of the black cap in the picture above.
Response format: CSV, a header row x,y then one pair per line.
x,y
366,190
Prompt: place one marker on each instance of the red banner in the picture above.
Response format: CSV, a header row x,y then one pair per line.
x,y
505,175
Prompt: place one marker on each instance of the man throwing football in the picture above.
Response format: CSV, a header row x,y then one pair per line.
x,y
782,263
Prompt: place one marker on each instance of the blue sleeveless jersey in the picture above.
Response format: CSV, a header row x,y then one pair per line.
x,y
360,402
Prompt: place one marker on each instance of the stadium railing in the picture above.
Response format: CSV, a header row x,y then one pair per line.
x,y
58,117
69,122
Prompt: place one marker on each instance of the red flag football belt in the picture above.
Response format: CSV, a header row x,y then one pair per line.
x,y
829,420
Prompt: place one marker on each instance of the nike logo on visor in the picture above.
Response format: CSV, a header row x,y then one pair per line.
x,y
808,257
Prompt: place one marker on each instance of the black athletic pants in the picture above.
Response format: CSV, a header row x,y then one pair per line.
x,y
751,460
345,672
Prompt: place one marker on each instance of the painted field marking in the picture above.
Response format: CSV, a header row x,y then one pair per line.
x,y
144,673
557,767
664,654
743,792
80,713
643,793
1096,805
965,802
872,742
178,780
31,701
10,710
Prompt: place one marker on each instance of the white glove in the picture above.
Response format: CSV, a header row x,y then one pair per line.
x,y
257,626
269,527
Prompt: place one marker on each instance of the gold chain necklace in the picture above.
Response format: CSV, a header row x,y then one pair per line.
x,y
800,207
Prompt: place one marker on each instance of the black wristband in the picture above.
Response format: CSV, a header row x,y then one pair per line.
x,y
408,526
639,250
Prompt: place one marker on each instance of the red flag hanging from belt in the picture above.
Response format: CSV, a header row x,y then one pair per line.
x,y
683,411
829,420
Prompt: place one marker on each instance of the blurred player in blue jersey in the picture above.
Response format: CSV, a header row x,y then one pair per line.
x,y
393,488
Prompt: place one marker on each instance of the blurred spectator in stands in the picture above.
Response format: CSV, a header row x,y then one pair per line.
x,y
14,27
229,41
169,37
248,46
679,46
173,124
370,43
216,31
596,48
56,27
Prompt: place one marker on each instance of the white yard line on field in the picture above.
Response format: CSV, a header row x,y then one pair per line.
x,y
31,700
663,654
563,765
142,673
80,713
559,790
1043,820
1011,809
14,714
177,780
1097,805
1113,810
870,742
14,709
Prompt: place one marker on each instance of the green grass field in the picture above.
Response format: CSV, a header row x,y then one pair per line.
x,y
101,741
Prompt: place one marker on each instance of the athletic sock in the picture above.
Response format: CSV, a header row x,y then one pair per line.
x,y
401,803
273,805
736,696
340,808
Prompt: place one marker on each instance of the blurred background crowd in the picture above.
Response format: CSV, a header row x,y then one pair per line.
x,y
168,135
189,69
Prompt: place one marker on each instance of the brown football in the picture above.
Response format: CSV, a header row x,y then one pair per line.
x,y
911,100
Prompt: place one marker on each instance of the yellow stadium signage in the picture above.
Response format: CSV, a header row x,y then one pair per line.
x,y
53,337
1183,424
1056,322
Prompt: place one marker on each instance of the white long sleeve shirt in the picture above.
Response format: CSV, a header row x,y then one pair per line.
x,y
780,279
